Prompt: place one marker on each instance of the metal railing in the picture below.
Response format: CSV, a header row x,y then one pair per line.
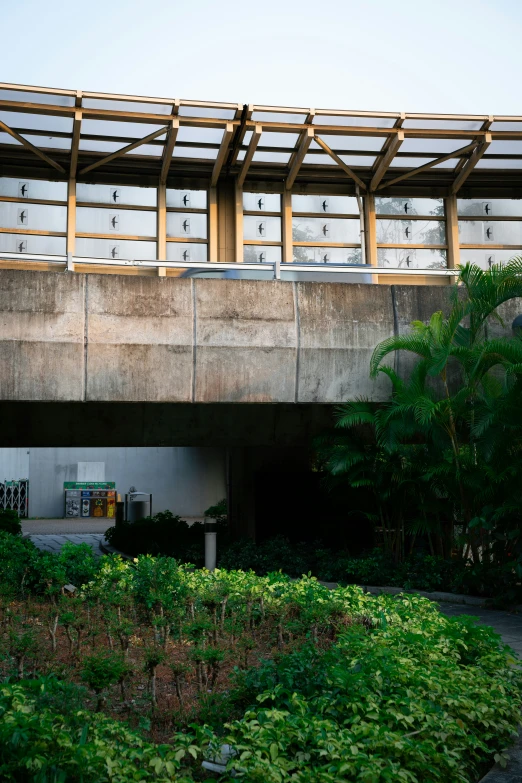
x,y
70,262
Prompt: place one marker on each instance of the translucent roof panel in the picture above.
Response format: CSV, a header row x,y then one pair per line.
x,y
151,150
506,126
203,111
133,106
505,148
411,163
17,119
271,157
366,143
200,135
99,145
499,163
129,130
269,139
194,152
5,138
437,146
355,122
465,125
272,116
48,142
358,160
36,97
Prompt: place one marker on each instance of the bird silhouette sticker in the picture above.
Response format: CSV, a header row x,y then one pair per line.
x,y
115,251
261,258
325,205
114,221
186,200
408,261
406,206
115,196
23,217
260,203
326,258
407,232
326,230
23,189
489,233
261,229
487,208
186,255
490,261
22,246
186,226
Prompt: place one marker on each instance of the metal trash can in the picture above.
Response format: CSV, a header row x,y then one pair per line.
x,y
138,505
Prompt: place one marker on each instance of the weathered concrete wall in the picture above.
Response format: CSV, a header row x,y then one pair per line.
x,y
109,338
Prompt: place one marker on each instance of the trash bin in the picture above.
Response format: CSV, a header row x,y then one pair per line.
x,y
138,505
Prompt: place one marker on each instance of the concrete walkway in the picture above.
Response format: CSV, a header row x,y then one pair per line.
x,y
66,526
508,625
54,542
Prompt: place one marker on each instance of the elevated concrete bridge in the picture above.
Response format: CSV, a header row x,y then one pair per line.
x,y
70,338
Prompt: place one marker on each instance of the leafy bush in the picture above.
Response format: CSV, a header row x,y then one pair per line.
x,y
10,522
40,745
165,534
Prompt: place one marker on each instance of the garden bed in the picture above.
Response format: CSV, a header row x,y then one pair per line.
x,y
305,683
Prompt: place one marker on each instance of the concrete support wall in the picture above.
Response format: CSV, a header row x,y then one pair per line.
x,y
117,338
184,480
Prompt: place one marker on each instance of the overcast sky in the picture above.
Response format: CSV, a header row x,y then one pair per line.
x,y
390,55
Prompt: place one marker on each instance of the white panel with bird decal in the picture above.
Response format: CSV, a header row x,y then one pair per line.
x,y
39,217
115,194
185,251
31,243
262,202
407,258
131,222
493,207
257,254
404,232
325,229
341,205
192,225
327,255
483,232
186,199
17,187
115,249
262,228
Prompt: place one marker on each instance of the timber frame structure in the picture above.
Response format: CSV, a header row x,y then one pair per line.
x,y
227,148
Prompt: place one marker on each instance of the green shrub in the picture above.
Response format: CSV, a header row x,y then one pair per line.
x,y
10,522
164,534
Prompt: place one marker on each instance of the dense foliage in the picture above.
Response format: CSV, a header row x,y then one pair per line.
x,y
441,460
304,683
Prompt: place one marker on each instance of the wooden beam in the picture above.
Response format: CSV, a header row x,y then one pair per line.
x,y
340,162
168,149
370,228
471,163
254,141
212,225
452,232
31,147
238,224
75,144
307,137
425,166
161,246
222,154
384,163
71,216
288,247
248,111
123,150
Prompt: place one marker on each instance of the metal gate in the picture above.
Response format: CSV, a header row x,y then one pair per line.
x,y
15,496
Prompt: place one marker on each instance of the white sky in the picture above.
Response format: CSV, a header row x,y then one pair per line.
x,y
391,55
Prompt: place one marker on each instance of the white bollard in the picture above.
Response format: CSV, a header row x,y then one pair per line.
x,y
210,543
